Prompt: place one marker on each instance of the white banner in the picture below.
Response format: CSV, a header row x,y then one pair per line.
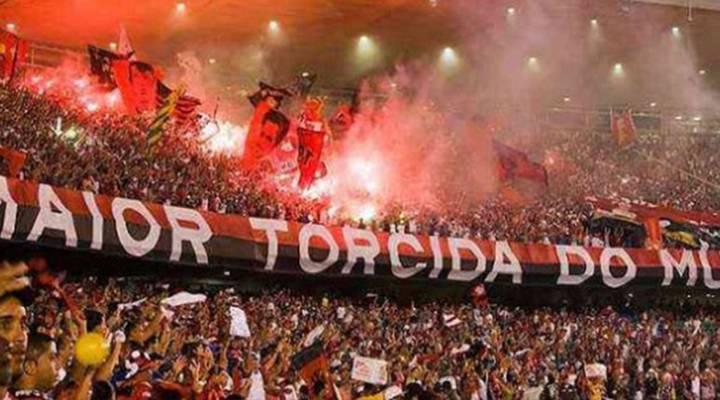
x,y
596,371
184,298
370,370
238,323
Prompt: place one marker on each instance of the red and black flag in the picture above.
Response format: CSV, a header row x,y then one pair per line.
x,y
185,108
310,361
101,64
623,127
13,51
268,126
513,164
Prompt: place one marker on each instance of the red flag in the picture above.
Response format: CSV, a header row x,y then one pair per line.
x,y
267,130
13,51
138,85
310,361
14,159
623,127
312,132
513,164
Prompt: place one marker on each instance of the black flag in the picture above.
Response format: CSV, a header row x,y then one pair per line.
x,y
101,64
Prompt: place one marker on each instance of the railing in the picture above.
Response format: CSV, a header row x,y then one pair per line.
x,y
43,55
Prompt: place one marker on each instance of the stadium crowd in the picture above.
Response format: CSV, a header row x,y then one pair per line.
x,y
107,153
184,349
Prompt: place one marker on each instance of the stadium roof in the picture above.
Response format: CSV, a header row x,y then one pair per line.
x,y
322,35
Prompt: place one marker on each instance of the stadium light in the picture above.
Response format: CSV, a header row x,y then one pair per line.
x,y
702,72
364,46
510,11
449,60
181,8
618,69
532,63
367,53
113,46
273,26
448,56
675,31
653,104
594,33
11,27
697,118
566,99
212,61
678,118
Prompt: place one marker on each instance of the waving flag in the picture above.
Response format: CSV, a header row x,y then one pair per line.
x,y
186,107
312,132
623,127
310,361
163,116
13,51
514,164
268,127
101,64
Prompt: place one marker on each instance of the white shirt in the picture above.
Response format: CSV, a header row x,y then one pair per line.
x,y
532,393
257,387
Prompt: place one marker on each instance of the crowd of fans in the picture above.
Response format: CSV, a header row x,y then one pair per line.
x,y
108,153
197,348
433,350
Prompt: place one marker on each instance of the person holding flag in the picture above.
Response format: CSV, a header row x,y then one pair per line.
x,y
312,132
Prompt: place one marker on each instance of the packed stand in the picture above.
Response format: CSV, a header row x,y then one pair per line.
x,y
161,347
108,153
